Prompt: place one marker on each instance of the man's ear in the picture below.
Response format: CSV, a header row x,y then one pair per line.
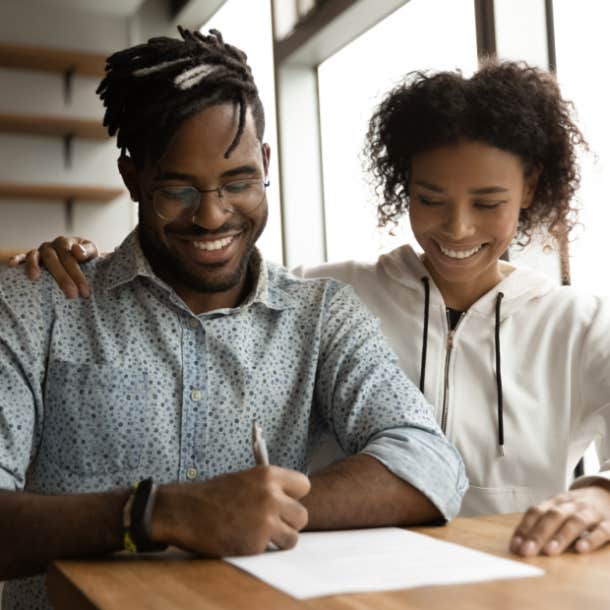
x,y
266,149
530,185
129,173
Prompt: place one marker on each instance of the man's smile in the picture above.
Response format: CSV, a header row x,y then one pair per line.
x,y
212,249
217,244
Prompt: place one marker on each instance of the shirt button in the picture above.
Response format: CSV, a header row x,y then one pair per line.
x,y
191,473
196,394
194,323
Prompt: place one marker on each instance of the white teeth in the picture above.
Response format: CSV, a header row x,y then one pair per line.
x,y
213,245
459,253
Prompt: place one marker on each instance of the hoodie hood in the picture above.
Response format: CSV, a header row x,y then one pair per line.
x,y
520,284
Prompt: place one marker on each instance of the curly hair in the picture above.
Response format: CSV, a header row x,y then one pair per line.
x,y
508,105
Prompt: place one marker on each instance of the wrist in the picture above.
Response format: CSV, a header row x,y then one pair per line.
x,y
163,522
137,517
594,480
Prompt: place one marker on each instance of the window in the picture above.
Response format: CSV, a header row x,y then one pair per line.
x,y
521,35
582,46
424,34
247,25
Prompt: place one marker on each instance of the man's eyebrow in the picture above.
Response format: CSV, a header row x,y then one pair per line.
x,y
242,169
236,171
163,175
430,186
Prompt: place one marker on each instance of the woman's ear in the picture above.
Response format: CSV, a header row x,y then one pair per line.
x,y
129,173
530,184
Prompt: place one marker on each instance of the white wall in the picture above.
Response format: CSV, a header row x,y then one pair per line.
x,y
33,159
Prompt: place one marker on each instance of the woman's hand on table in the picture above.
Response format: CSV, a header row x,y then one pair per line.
x,y
62,257
578,519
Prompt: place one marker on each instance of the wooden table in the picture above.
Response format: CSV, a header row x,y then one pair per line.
x,y
571,582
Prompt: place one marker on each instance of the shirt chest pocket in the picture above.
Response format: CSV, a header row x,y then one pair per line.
x,y
93,417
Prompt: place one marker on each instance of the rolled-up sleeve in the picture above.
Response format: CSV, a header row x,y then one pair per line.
x,y
371,407
417,457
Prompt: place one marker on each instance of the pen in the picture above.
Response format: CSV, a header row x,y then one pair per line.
x,y
261,457
259,446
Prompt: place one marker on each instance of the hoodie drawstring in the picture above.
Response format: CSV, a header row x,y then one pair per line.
x,y
422,374
499,376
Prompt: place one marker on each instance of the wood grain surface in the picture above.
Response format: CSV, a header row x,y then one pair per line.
x,y
174,581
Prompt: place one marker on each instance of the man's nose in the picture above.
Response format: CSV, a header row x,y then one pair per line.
x,y
212,212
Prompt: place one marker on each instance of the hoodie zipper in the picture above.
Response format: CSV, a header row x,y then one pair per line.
x,y
445,410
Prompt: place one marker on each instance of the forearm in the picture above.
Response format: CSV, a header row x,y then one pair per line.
x,y
36,529
359,491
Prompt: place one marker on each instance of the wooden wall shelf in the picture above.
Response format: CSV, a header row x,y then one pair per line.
x,y
53,126
51,59
59,192
6,254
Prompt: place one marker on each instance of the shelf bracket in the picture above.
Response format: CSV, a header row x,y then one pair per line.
x,y
68,141
69,215
68,80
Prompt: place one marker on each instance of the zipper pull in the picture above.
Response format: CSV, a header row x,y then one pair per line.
x,y
450,339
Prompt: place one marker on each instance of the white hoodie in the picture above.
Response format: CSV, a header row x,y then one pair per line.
x,y
554,347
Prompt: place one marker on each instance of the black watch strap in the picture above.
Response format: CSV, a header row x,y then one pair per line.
x,y
137,515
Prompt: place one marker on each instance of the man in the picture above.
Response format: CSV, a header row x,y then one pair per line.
x,y
188,337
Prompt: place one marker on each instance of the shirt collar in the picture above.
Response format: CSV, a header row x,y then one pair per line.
x,y
128,262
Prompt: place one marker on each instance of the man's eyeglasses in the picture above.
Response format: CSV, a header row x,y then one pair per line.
x,y
171,202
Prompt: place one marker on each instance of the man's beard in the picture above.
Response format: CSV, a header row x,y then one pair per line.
x,y
171,268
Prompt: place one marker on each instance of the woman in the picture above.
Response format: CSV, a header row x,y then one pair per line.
x,y
516,367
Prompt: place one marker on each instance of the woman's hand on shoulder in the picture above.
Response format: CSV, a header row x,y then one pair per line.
x,y
578,519
62,257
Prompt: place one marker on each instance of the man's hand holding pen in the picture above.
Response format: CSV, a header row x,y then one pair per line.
x,y
238,513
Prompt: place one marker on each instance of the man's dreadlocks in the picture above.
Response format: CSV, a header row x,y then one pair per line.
x,y
151,88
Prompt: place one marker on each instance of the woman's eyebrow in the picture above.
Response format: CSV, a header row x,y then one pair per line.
x,y
430,186
488,190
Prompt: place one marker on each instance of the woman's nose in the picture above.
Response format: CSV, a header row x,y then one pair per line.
x,y
459,222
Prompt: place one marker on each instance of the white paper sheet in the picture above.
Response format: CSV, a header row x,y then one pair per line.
x,y
326,563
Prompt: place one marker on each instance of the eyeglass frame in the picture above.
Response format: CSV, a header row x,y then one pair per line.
x,y
219,199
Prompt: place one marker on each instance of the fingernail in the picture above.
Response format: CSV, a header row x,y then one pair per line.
x,y
82,250
529,548
552,547
71,292
84,290
515,543
582,546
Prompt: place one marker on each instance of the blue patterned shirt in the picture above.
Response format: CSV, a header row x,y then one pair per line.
x,y
101,392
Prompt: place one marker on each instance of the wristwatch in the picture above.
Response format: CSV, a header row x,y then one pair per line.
x,y
137,514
